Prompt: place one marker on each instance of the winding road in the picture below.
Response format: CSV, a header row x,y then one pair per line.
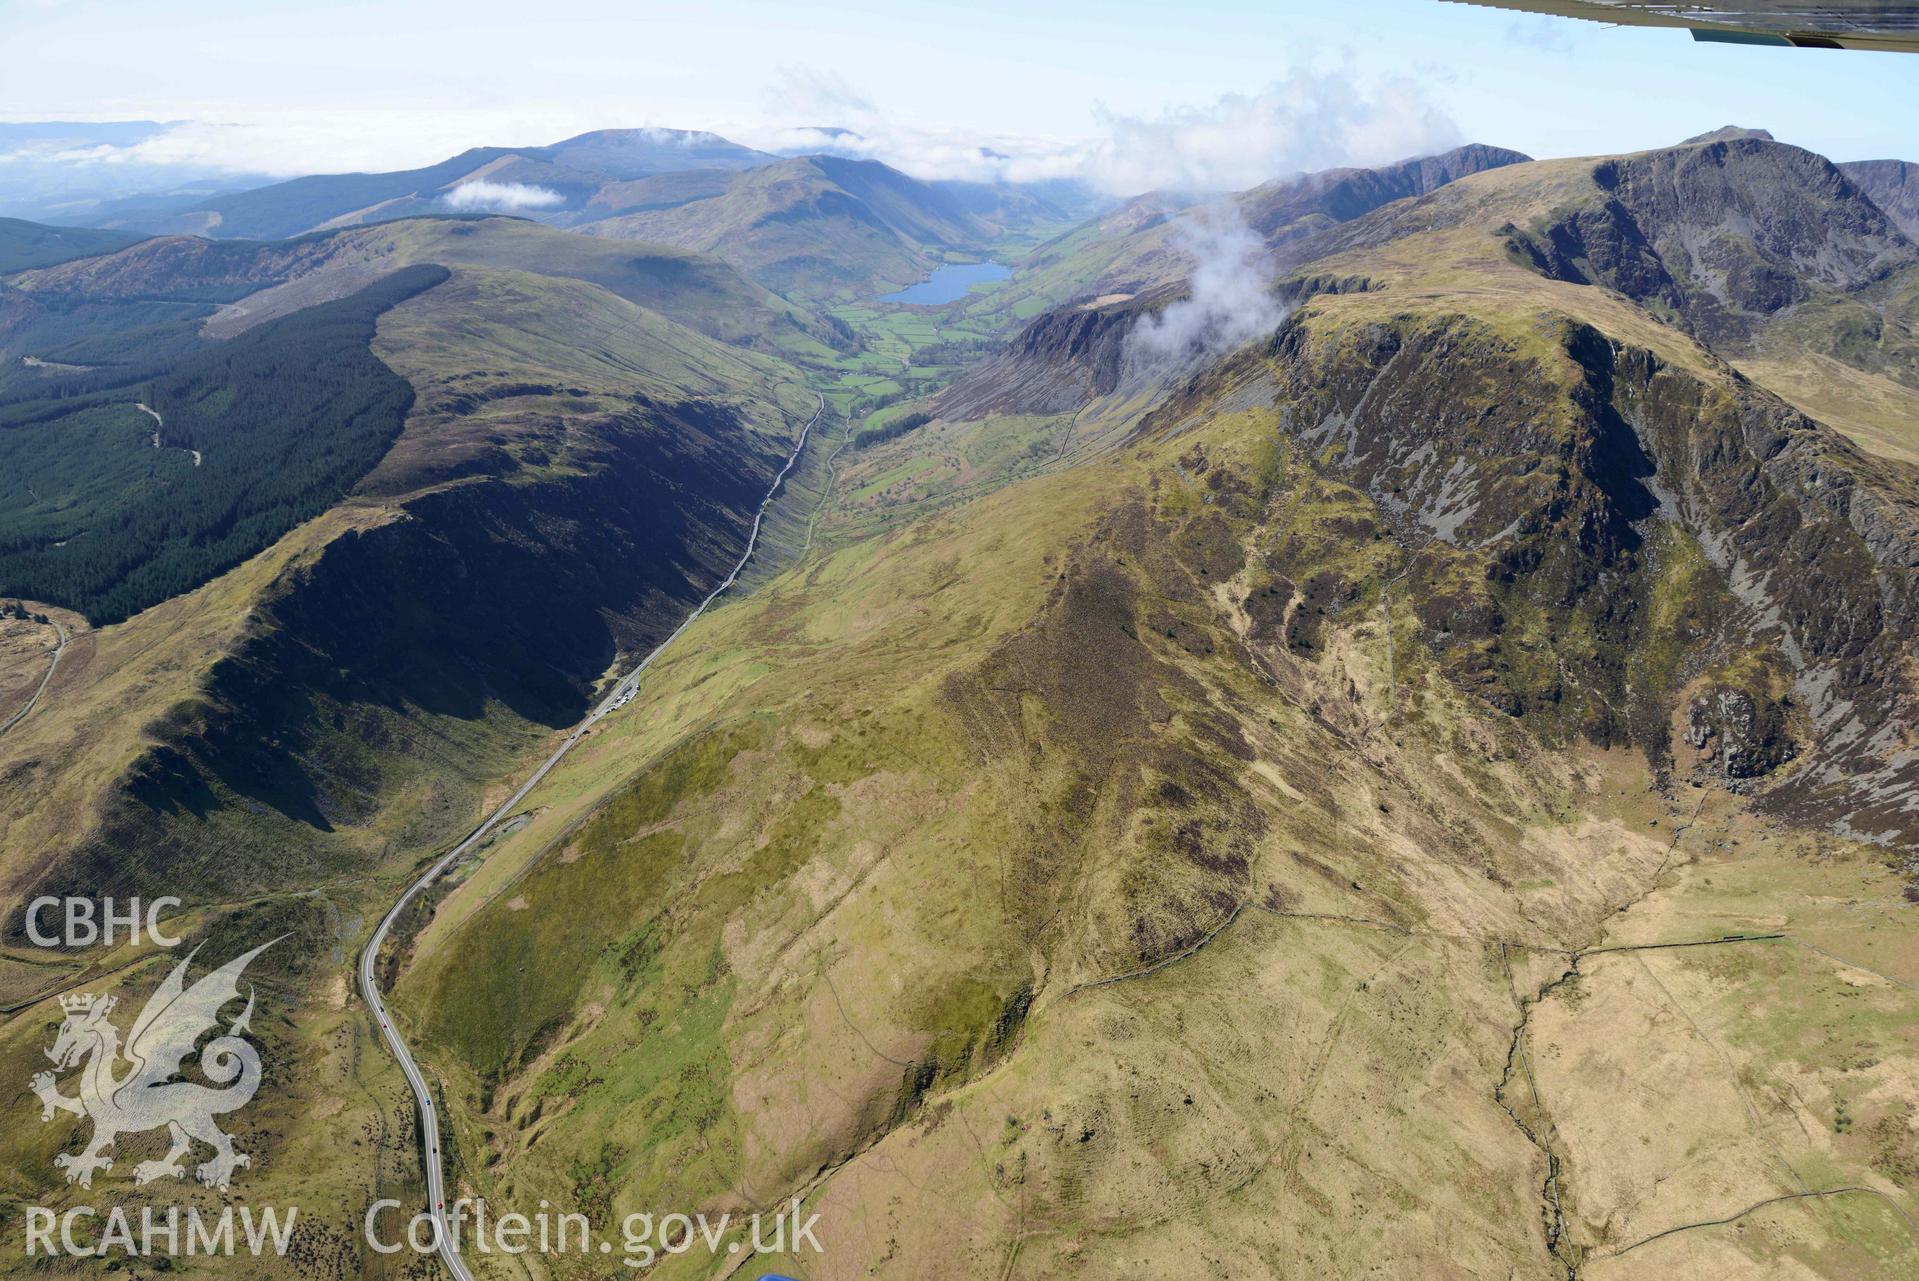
x,y
369,987
160,423
45,680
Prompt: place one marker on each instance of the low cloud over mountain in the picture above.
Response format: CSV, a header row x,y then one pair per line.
x,y
1308,120
481,195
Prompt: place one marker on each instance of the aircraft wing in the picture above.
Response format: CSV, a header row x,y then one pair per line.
x,y
1859,24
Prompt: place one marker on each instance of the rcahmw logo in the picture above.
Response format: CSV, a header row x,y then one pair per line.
x,y
86,923
147,1095
157,1232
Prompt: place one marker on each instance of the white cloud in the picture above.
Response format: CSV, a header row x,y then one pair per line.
x,y
1230,300
362,140
1307,121
281,147
924,153
501,197
816,96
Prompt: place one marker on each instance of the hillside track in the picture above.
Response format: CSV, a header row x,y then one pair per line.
x,y
53,665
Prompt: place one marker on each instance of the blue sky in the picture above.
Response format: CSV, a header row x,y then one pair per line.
x,y
1187,88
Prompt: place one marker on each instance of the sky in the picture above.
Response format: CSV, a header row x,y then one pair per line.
x,y
1198,93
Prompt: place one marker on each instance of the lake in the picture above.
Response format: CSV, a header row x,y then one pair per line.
x,y
949,283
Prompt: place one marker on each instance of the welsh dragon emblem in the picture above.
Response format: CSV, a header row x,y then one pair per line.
x,y
147,1095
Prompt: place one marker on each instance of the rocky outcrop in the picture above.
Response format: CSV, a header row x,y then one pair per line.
x,y
1293,208
1061,360
1745,733
1605,545
1893,185
1074,354
1724,234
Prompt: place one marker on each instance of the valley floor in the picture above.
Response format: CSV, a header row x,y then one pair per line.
x,y
1425,792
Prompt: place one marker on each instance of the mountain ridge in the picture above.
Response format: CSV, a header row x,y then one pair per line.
x,y
1401,734
1417,674
1893,186
814,225
580,163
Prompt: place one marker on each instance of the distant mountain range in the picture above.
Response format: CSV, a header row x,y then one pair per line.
x,y
563,176
87,173
1401,735
815,225
830,224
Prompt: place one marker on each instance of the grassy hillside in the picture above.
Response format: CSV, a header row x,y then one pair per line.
x,y
277,278
1299,816
28,244
1092,857
692,289
115,322
659,191
816,227
503,358
1088,802
281,743
571,471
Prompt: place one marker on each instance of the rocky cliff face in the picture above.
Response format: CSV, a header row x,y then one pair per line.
x,y
1074,354
1293,208
1610,547
1061,360
1893,185
1722,236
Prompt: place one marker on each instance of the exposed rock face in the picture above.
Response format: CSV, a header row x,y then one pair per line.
x,y
1747,735
1893,186
1600,539
1074,354
1724,234
1064,358
1296,207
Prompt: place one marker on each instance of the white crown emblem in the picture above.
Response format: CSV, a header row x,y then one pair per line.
x,y
78,1003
